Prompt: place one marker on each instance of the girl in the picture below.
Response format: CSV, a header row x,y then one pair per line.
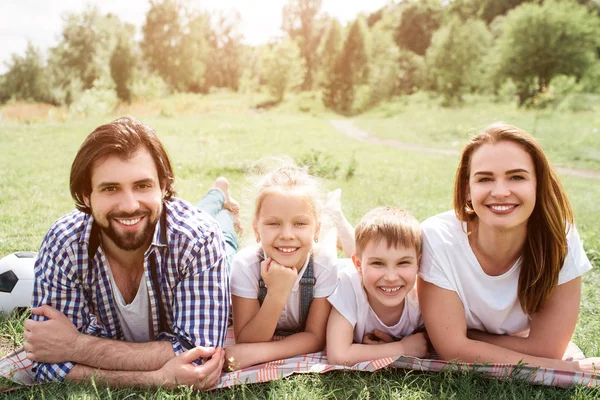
x,y
281,285
500,278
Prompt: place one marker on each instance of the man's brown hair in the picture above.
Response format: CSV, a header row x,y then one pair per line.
x,y
122,137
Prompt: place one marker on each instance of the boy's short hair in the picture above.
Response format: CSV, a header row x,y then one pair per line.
x,y
397,226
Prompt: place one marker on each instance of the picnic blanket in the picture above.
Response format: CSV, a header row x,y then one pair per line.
x,y
17,368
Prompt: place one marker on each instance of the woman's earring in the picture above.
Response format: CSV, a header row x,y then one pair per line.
x,y
469,207
316,240
257,239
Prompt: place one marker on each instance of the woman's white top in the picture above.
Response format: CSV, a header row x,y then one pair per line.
x,y
351,301
245,275
491,303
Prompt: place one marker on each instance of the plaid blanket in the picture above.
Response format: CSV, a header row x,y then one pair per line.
x,y
17,368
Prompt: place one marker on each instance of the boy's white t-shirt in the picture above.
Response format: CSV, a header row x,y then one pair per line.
x,y
491,303
351,301
245,275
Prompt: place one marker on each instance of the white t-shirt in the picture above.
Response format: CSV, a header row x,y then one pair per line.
x,y
135,316
491,303
351,301
245,275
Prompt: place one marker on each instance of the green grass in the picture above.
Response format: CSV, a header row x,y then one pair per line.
x,y
568,138
34,170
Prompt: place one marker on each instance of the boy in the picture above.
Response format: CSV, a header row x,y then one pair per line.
x,y
375,304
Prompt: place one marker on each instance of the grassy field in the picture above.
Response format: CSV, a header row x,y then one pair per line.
x,y
569,139
219,135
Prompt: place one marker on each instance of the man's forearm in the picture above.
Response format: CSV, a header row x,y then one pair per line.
x,y
116,379
117,355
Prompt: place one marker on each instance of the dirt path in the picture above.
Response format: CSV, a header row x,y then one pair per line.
x,y
348,128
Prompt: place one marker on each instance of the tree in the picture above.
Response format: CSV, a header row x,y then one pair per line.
x,y
455,57
352,66
329,52
192,54
484,9
88,41
419,20
224,66
283,68
176,44
82,57
26,77
384,65
122,65
540,41
163,32
301,24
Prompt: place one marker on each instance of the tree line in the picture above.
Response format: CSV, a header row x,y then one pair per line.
x,y
449,47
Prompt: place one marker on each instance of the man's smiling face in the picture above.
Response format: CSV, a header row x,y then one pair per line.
x,y
126,199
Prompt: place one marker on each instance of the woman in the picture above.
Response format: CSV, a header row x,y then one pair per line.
x,y
500,277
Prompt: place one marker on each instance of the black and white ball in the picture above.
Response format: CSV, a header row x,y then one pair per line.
x,y
16,280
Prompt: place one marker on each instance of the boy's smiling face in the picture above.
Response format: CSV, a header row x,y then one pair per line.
x,y
388,274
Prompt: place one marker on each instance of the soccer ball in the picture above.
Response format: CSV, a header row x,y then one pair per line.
x,y
16,280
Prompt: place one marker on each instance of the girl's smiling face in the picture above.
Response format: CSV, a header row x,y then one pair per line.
x,y
286,228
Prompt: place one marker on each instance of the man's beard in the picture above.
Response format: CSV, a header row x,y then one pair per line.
x,y
130,241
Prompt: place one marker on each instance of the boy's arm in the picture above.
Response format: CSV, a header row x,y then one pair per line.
x,y
342,350
311,340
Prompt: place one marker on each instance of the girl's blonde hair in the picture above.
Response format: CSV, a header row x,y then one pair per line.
x,y
546,245
285,178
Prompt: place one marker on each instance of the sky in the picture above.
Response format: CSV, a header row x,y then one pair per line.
x,y
40,21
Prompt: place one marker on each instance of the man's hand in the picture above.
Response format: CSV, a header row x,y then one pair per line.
x,y
377,337
279,279
182,371
52,341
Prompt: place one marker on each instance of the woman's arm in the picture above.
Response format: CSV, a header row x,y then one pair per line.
x,y
446,325
342,350
551,328
311,340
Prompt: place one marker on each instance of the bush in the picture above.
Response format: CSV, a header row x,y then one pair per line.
x,y
284,68
148,87
578,102
101,99
590,82
320,164
507,92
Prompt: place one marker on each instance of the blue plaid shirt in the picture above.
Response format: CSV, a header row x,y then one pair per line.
x,y
193,277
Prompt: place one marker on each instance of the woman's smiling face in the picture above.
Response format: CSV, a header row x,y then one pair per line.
x,y
502,185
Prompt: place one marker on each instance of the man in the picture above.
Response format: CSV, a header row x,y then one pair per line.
x,y
132,288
